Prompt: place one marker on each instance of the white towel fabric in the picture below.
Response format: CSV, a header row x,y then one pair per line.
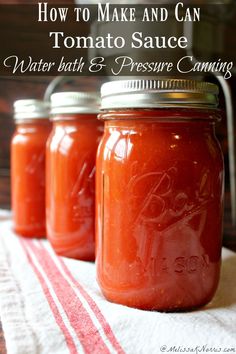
x,y
52,305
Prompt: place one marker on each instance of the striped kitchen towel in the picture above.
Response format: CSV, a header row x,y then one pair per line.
x,y
52,305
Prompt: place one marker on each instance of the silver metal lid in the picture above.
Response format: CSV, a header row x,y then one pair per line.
x,y
74,102
158,93
31,109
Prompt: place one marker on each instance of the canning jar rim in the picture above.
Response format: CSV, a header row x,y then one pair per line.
x,y
213,115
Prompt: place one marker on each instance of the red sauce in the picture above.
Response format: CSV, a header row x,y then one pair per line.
x,y
159,208
28,177
71,153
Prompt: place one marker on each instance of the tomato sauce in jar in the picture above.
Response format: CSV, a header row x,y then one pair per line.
x,y
159,199
70,192
28,147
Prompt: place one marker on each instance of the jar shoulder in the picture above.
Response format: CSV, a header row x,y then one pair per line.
x,y
159,144
71,138
30,137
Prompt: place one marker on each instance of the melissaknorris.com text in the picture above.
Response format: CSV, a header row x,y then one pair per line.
x,y
120,65
197,350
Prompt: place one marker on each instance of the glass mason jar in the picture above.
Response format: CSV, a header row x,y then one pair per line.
x,y
70,191
28,147
159,194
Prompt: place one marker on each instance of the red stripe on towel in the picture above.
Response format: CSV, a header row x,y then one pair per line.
x,y
78,316
59,320
106,327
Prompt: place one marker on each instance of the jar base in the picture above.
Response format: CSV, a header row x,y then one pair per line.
x,y
41,233
160,305
75,254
